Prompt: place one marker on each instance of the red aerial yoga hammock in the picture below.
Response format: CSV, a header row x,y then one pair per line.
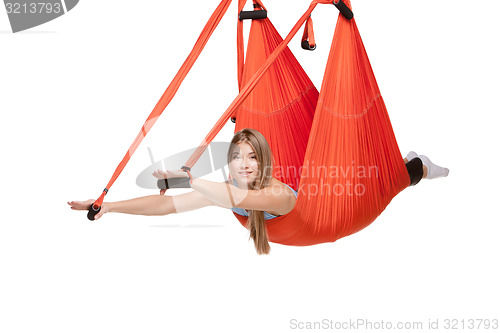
x,y
284,98
352,166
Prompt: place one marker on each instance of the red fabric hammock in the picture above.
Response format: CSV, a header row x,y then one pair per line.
x,y
284,99
352,165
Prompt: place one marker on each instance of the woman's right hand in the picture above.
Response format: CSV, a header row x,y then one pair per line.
x,y
85,205
160,174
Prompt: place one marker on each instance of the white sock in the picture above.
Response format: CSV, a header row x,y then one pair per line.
x,y
411,155
433,170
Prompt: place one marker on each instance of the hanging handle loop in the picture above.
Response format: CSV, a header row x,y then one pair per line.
x,y
308,42
93,211
343,8
95,208
252,14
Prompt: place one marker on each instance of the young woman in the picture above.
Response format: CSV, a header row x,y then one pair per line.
x,y
252,190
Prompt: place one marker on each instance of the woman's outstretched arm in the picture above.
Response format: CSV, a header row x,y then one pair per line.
x,y
150,205
221,194
271,198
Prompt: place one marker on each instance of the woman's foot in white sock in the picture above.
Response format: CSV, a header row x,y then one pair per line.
x,y
433,170
411,155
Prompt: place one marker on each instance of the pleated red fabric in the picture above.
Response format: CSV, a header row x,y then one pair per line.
x,y
338,147
250,85
281,106
353,167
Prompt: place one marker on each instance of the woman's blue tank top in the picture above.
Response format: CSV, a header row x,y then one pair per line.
x,y
243,212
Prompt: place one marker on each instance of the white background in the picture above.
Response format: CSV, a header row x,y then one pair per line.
x,y
74,94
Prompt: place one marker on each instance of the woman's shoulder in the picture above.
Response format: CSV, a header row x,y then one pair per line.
x,y
288,197
276,184
276,187
275,199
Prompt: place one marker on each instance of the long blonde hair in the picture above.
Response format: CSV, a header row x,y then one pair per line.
x,y
256,223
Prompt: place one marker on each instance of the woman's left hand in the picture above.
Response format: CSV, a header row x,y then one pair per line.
x,y
85,205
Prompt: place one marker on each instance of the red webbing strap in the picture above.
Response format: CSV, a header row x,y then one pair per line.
x,y
250,85
309,32
170,91
240,50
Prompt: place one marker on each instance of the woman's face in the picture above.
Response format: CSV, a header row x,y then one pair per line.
x,y
243,165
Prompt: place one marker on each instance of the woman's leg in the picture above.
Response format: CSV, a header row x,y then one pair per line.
x,y
423,166
420,166
415,169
